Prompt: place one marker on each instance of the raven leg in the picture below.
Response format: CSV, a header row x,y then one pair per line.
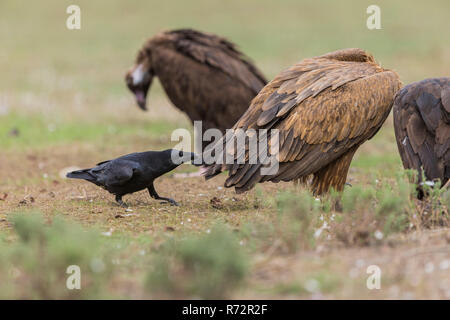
x,y
155,195
120,202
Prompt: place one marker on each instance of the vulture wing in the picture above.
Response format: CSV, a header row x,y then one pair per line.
x,y
322,107
219,53
422,127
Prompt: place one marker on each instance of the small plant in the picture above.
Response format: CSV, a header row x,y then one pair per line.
x,y
354,222
374,212
394,206
445,196
289,228
34,266
433,208
298,213
208,266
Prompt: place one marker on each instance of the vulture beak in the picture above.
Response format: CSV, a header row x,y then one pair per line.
x,y
138,81
141,98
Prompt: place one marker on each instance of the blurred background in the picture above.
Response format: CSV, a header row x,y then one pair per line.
x,y
63,103
65,75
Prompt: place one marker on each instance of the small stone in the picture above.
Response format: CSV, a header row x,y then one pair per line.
x,y
378,235
429,267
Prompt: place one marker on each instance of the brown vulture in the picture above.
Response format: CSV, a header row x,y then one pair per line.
x,y
422,129
204,75
324,108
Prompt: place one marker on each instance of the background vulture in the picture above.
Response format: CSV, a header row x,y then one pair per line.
x,y
203,75
324,108
422,128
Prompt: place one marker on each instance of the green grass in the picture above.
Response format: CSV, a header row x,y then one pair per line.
x,y
33,131
209,266
220,258
40,257
63,92
276,34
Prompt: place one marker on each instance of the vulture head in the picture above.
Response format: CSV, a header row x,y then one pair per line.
x,y
139,78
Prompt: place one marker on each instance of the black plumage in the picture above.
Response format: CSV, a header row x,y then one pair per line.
x,y
134,172
422,128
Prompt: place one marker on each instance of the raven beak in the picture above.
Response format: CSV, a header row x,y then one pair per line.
x,y
141,99
179,157
196,160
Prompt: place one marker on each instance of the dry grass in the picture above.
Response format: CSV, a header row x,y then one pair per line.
x,y
288,261
63,103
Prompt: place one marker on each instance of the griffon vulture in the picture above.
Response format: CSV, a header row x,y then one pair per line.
x,y
204,75
422,128
324,108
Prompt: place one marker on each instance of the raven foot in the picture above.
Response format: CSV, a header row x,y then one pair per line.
x,y
156,196
168,200
120,202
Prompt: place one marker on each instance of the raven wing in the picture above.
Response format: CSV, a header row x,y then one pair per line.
x,y
115,172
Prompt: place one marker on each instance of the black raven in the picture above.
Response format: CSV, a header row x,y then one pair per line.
x,y
134,172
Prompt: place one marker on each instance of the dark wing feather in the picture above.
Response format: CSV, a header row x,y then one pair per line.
x,y
203,75
115,173
422,127
322,107
219,53
103,162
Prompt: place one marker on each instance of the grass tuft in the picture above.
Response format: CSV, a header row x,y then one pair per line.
x,y
208,266
34,266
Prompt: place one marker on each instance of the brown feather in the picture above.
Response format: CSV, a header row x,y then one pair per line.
x,y
331,104
204,75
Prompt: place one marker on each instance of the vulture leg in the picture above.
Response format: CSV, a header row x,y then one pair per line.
x,y
447,185
302,181
333,175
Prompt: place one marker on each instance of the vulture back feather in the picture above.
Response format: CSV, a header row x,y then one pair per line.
x,y
324,108
422,128
204,75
